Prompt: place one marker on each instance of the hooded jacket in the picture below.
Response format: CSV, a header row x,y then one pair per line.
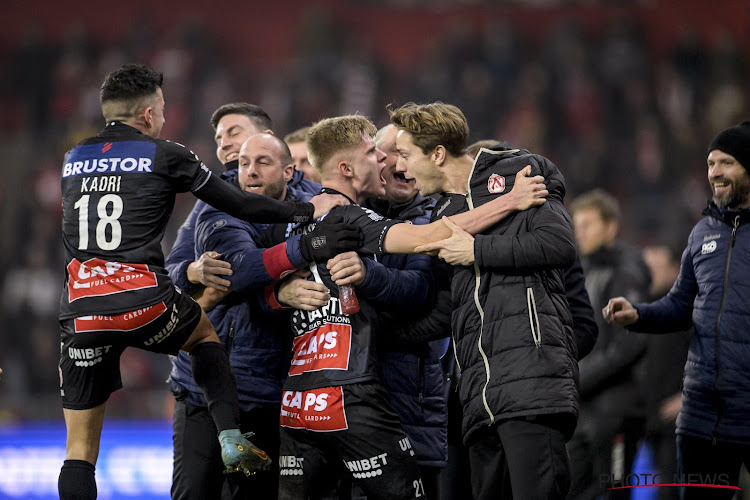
x,y
512,324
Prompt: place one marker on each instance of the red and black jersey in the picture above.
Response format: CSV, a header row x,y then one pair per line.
x,y
332,348
118,192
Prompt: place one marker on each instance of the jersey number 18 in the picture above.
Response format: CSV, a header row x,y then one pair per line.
x,y
106,219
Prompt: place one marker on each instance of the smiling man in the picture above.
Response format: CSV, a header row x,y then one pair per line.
x,y
713,438
334,408
258,341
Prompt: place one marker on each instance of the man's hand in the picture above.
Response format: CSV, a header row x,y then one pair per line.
x,y
323,203
208,271
330,237
456,250
209,297
347,269
620,312
299,293
528,191
670,408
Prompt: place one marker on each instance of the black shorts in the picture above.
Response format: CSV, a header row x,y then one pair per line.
x,y
366,441
90,346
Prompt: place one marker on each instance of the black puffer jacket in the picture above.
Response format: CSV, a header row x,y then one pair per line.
x,y
512,323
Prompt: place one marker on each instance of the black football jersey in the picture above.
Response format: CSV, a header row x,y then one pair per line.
x,y
332,348
118,192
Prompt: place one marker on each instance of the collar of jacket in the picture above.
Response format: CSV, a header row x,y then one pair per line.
x,y
725,215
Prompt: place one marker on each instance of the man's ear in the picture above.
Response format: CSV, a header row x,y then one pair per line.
x,y
146,116
345,168
438,155
288,172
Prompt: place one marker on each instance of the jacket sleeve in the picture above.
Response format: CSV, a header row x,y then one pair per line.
x,y
252,207
252,268
409,287
584,325
547,243
183,252
674,311
623,349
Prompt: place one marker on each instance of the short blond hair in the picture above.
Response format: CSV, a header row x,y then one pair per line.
x,y
328,137
433,125
299,135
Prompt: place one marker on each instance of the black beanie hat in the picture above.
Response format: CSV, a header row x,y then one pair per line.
x,y
734,141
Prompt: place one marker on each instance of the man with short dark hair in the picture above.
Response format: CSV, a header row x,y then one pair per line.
x,y
118,190
713,436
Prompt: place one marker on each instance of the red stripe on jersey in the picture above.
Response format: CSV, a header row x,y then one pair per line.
x,y
317,410
325,348
276,261
121,322
97,277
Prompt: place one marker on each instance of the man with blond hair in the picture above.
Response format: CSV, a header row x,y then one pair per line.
x,y
333,407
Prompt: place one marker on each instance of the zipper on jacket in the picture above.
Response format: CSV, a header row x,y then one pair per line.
x,y
230,337
478,281
536,332
717,356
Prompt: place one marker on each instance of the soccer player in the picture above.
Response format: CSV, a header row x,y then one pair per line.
x,y
118,190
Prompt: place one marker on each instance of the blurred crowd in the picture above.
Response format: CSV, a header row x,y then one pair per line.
x,y
602,106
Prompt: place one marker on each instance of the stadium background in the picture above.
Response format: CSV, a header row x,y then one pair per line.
x,y
621,95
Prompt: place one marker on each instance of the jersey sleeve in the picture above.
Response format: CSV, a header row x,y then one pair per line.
x,y
374,226
186,171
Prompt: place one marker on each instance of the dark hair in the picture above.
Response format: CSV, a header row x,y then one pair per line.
x,y
130,82
256,114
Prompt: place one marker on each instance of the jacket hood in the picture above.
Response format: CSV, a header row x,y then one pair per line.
x,y
508,162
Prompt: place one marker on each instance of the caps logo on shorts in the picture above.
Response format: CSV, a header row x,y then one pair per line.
x,y
318,410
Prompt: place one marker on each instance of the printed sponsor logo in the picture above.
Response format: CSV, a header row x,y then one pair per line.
x,y
289,465
318,410
324,348
121,157
89,356
496,184
405,445
121,322
167,330
711,237
367,467
709,247
98,277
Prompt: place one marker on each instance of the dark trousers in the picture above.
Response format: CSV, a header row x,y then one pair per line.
x,y
664,447
699,461
455,478
603,460
520,459
198,469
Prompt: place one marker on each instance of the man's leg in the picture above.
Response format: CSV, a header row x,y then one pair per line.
x,y
701,462
537,458
84,429
490,477
197,472
211,371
